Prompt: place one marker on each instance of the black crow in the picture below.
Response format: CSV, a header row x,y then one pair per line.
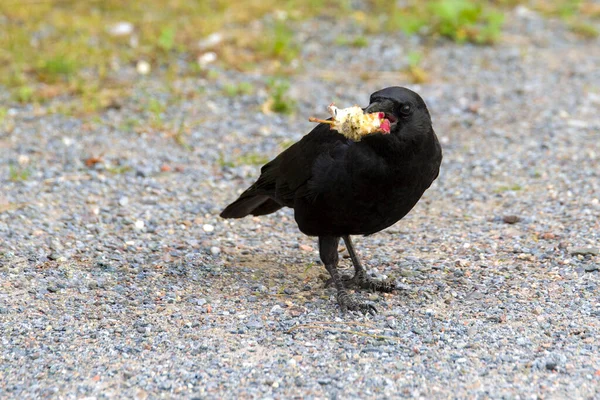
x,y
338,187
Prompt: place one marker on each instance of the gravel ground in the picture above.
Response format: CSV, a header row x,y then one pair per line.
x,y
119,279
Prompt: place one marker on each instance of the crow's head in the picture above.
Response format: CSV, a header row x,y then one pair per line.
x,y
404,108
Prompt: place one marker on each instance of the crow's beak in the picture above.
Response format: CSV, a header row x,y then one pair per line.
x,y
385,107
373,107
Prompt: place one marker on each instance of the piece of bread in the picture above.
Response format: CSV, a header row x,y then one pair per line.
x,y
354,124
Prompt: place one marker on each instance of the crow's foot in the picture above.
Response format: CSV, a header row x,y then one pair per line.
x,y
365,282
362,281
347,303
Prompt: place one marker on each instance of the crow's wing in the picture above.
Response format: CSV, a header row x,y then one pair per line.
x,y
286,177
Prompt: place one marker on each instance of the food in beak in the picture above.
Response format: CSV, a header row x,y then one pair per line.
x,y
354,124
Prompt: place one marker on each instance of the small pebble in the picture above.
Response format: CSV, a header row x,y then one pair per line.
x,y
551,365
592,268
584,251
210,41
208,228
511,219
276,309
143,67
121,29
207,58
254,324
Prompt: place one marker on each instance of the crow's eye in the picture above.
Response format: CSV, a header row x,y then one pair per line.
x,y
406,109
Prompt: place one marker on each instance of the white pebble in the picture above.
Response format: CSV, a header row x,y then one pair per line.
x,y
143,67
276,309
121,29
23,159
211,106
577,123
215,251
139,224
210,41
292,362
208,228
524,12
123,201
207,58
281,15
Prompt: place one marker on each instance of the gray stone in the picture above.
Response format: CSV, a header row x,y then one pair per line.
x,y
584,251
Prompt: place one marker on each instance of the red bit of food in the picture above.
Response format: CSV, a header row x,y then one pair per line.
x,y
385,126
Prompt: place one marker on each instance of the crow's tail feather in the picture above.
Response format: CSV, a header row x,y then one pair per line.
x,y
268,207
254,204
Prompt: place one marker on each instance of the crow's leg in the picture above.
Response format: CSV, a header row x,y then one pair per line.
x,y
360,278
329,255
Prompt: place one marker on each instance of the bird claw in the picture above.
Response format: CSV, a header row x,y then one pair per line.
x,y
364,282
348,304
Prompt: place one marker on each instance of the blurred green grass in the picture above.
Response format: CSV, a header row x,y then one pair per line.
x,y
70,49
